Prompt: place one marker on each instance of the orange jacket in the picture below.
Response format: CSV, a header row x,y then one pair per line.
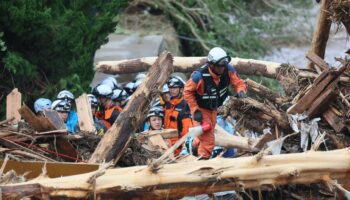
x,y
196,85
177,116
109,115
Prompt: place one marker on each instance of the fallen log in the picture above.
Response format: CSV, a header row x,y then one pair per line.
x,y
188,64
254,109
265,92
115,141
191,178
321,33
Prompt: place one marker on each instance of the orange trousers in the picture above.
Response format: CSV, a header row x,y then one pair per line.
x,y
206,141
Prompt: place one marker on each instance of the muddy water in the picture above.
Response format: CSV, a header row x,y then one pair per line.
x,y
338,43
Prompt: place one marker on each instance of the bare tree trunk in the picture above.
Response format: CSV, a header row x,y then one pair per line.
x,y
188,64
321,33
115,141
191,178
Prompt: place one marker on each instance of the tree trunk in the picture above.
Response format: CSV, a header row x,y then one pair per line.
x,y
115,141
188,64
191,178
321,33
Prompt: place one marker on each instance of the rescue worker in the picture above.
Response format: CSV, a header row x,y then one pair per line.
x,y
109,111
100,125
155,118
63,108
177,112
42,104
206,91
72,115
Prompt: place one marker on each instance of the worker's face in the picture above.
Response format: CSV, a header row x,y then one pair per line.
x,y
63,116
166,96
156,122
175,91
105,102
219,69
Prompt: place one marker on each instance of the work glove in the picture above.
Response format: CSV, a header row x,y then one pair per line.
x,y
241,94
197,116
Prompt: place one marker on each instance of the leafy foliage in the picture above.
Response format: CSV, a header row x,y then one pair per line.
x,y
47,45
245,28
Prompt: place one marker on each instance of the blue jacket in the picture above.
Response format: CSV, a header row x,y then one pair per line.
x,y
72,122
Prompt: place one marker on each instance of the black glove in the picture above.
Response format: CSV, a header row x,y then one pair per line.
x,y
197,116
241,94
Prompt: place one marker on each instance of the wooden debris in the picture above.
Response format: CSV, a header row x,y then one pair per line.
x,y
13,103
266,92
158,142
53,169
115,141
86,122
325,79
333,119
322,30
188,64
191,178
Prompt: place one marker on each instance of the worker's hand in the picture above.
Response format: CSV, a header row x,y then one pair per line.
x,y
197,116
241,94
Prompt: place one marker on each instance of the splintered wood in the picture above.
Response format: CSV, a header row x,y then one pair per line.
x,y
13,103
85,118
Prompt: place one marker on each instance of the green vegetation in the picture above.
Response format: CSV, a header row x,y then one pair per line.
x,y
246,28
46,46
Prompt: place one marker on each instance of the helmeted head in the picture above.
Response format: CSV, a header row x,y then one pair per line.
x,y
42,104
155,118
111,82
119,95
66,95
176,85
63,107
92,100
166,93
103,93
218,60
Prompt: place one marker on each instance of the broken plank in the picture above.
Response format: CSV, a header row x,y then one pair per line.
x,y
333,119
158,142
53,169
317,60
54,119
86,122
13,103
323,101
38,123
317,87
165,133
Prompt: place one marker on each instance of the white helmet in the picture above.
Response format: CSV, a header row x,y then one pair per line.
x,y
165,88
102,91
65,95
218,56
176,81
111,82
92,100
61,105
140,76
42,104
119,95
156,111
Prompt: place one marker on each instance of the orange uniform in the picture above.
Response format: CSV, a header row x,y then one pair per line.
x,y
206,91
109,115
177,116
